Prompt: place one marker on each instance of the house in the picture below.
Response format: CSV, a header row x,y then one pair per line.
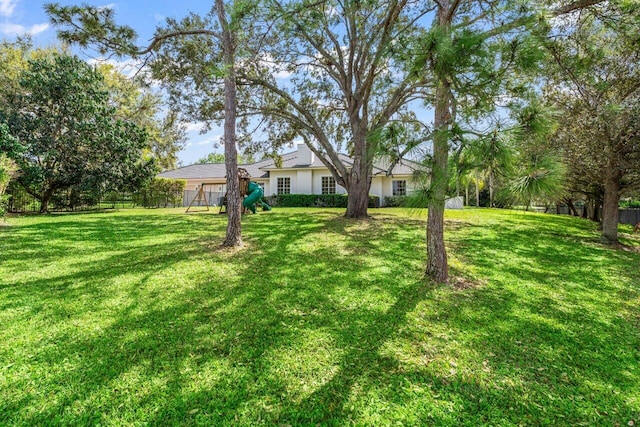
x,y
301,172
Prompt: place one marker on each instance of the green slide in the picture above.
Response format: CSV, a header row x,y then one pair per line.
x,y
254,196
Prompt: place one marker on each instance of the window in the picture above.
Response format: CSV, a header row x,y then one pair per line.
x,y
284,185
400,188
328,185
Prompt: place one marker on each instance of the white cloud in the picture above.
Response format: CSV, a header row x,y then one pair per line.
x,y
16,29
105,6
278,70
7,6
158,17
194,127
214,140
128,67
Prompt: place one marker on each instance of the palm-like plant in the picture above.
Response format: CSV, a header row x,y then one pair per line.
x,y
539,178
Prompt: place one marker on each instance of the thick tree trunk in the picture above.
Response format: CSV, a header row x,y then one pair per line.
x,y
610,211
44,200
44,205
233,237
359,179
358,198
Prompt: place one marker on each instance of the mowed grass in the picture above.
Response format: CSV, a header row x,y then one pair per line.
x,y
137,317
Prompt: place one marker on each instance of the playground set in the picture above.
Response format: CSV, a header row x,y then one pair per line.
x,y
251,191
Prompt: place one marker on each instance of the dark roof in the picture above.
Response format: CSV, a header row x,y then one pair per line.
x,y
289,161
210,170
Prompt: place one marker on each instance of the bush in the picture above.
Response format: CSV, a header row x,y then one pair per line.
x,y
161,192
315,200
8,170
630,204
395,201
4,203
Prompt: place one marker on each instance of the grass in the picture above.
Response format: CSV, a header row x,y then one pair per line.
x,y
137,317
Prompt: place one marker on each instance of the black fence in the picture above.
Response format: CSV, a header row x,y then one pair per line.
x,y
22,202
627,216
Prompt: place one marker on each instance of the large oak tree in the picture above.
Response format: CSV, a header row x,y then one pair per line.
x,y
67,133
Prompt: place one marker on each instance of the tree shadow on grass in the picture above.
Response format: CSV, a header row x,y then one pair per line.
x,y
307,327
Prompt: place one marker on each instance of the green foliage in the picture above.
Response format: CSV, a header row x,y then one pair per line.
x,y
68,133
135,102
8,170
541,178
630,204
219,158
161,192
135,317
317,200
395,201
93,26
211,158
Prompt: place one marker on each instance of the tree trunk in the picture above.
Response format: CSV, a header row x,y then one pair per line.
x,y
437,266
610,211
358,198
477,179
359,178
491,202
44,200
233,237
572,208
466,191
44,205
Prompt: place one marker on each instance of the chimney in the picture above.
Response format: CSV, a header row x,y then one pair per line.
x,y
305,155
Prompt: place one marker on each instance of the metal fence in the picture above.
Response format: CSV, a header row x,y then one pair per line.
x,y
22,202
627,216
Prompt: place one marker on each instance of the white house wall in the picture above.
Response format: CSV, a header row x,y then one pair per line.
x,y
377,183
304,181
273,181
317,182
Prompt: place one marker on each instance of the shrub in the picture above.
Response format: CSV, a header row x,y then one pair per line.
x,y
315,200
8,170
630,204
395,201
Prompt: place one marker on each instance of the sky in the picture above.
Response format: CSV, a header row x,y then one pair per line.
x,y
19,17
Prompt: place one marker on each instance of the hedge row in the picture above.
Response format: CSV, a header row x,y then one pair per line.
x,y
395,201
315,200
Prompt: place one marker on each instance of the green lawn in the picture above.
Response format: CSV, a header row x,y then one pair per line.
x,y
138,318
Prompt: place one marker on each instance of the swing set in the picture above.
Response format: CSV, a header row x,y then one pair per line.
x,y
243,176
